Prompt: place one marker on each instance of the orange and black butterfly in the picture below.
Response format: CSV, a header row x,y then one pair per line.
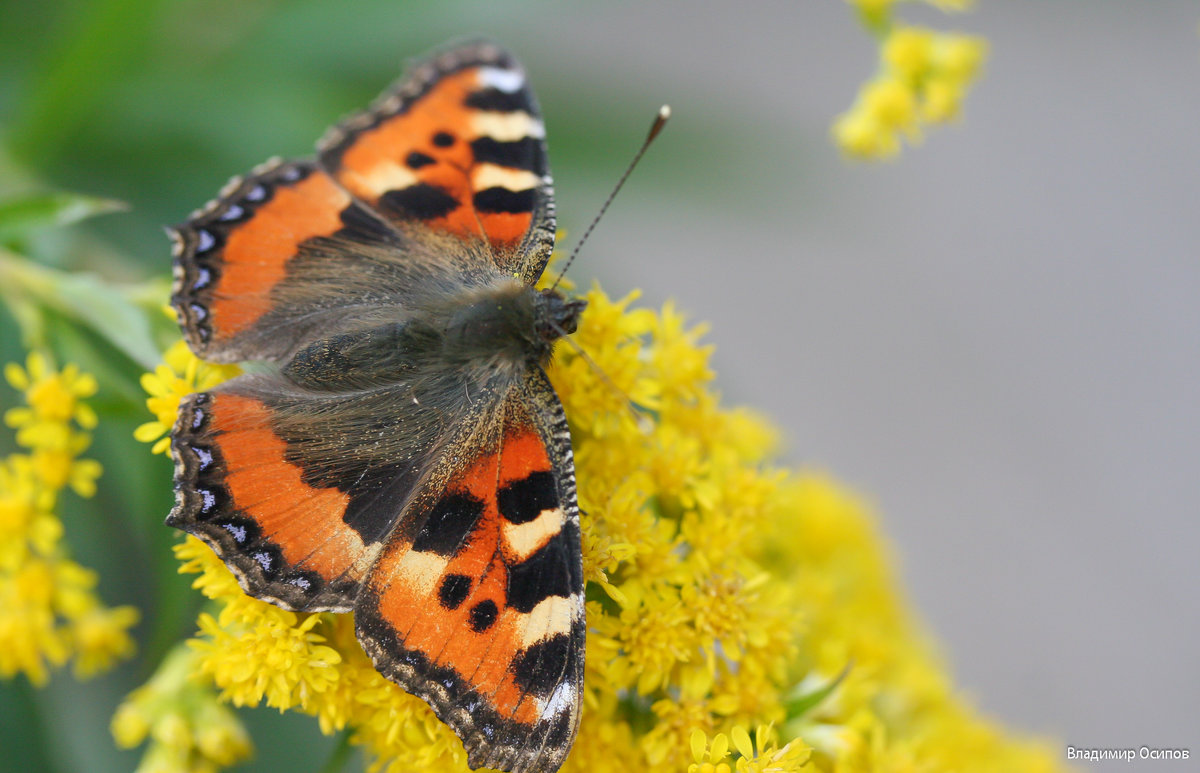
x,y
399,452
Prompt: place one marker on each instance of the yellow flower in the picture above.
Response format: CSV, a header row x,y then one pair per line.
x,y
861,135
188,728
27,526
215,581
959,57
181,374
49,611
908,51
873,11
763,755
58,467
276,657
53,396
100,638
30,639
709,757
922,79
724,594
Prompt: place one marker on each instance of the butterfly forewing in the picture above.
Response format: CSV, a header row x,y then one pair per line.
x,y
457,146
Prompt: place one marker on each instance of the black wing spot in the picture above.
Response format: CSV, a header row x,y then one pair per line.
x,y
483,615
453,591
495,100
524,500
539,668
447,527
546,573
417,159
503,200
525,153
422,201
443,139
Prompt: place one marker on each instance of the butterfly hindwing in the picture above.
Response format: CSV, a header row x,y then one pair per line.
x,y
283,537
456,147
496,554
297,489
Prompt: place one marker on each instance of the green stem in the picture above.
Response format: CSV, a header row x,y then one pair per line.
x,y
339,756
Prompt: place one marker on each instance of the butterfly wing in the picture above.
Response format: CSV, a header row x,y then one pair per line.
x,y
494,550
261,269
456,546
457,146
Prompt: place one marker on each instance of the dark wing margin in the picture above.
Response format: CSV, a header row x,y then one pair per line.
x,y
457,146
477,606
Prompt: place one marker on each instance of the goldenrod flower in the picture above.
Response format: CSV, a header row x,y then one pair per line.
x,y
59,468
727,595
53,397
763,755
26,523
922,79
188,728
49,611
181,374
709,756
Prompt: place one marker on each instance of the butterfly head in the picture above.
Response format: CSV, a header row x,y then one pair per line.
x,y
557,315
511,324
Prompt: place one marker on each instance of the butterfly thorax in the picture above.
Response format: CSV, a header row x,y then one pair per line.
x,y
512,325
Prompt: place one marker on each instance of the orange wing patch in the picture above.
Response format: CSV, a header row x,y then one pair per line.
x,y
286,540
305,522
459,151
256,254
233,253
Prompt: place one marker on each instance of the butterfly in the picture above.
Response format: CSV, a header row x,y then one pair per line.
x,y
396,449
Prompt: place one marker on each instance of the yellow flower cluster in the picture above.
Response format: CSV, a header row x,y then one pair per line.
x,y
922,80
49,612
740,617
189,729
180,375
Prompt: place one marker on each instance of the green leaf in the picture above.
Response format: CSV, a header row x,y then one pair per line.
x,y
21,215
803,703
85,298
109,312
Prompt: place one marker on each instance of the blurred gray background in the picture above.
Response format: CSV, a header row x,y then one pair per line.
x,y
996,338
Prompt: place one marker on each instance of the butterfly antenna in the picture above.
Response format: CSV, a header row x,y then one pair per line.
x,y
660,121
644,424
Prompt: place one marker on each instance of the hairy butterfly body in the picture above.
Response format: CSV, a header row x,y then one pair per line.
x,y
399,452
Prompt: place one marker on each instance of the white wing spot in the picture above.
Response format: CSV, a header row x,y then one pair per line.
x,y
508,127
486,176
508,81
423,569
551,617
561,701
